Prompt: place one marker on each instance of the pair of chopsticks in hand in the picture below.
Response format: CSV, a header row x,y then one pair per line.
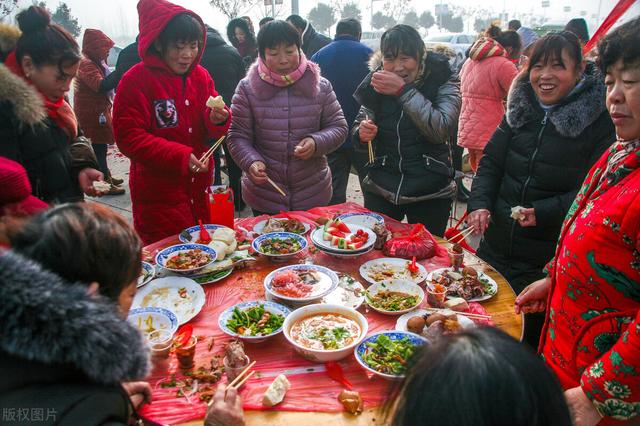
x,y
460,236
372,157
240,379
205,157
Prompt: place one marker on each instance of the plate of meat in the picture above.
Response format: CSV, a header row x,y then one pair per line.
x,y
469,284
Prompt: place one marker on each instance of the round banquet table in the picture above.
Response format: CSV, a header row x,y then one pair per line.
x,y
249,279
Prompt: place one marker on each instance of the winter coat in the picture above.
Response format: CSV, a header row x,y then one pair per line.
x,y
249,49
224,64
92,106
127,58
313,41
344,63
537,159
9,35
484,83
29,137
62,351
592,332
160,119
412,151
268,123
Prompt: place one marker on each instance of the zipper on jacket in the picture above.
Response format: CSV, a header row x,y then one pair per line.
x,y
526,182
400,160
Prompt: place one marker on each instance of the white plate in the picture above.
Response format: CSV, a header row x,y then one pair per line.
x,y
271,307
148,273
481,275
330,278
399,266
194,231
164,293
401,322
259,227
345,293
368,220
344,255
317,239
395,285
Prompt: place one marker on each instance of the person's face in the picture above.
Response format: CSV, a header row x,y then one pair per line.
x,y
623,98
240,35
180,56
53,81
125,299
552,81
402,65
283,58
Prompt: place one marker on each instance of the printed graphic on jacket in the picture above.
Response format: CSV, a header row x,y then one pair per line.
x,y
166,113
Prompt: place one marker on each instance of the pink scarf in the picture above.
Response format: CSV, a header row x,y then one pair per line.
x,y
280,80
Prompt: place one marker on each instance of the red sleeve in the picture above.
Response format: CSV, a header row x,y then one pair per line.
x,y
89,74
215,131
613,381
132,118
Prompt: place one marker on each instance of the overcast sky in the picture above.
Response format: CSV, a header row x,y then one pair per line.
x,y
119,17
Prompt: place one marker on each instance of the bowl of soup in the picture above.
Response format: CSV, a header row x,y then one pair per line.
x,y
323,333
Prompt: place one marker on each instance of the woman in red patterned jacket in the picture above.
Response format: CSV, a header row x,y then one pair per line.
x,y
161,122
591,337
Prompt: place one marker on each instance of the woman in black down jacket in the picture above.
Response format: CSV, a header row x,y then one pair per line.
x,y
555,128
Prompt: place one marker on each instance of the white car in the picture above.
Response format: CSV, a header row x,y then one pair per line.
x,y
371,39
457,41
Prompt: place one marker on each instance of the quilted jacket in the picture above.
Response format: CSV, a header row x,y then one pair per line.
x,y
268,123
484,83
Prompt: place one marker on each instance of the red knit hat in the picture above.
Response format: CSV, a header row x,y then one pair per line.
x,y
15,190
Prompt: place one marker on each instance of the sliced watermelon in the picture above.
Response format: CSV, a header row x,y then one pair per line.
x,y
327,236
356,245
342,227
337,233
335,240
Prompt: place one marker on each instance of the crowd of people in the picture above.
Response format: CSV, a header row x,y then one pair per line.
x,y
553,138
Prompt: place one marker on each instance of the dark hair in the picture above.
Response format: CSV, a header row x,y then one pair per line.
x,y
459,379
245,27
349,26
297,21
514,25
622,43
578,26
264,21
182,28
44,42
276,33
402,39
550,47
506,39
82,242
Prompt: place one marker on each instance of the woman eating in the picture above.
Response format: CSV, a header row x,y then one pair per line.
x,y
286,119
555,128
410,107
591,295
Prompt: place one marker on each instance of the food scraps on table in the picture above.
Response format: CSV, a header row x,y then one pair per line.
x,y
196,383
254,321
389,356
280,246
340,236
327,331
276,391
352,401
189,259
388,271
392,301
382,235
234,353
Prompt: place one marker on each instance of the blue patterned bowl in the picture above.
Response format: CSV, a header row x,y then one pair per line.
x,y
150,319
363,348
272,307
164,255
194,232
257,244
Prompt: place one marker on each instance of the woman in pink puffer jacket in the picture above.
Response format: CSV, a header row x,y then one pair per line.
x,y
285,120
484,82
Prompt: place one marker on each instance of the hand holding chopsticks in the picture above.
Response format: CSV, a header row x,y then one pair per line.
x,y
372,157
205,157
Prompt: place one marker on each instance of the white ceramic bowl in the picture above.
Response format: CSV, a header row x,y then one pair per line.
x,y
164,255
317,355
271,307
156,318
395,285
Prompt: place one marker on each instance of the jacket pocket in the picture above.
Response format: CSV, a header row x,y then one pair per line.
x,y
437,166
378,163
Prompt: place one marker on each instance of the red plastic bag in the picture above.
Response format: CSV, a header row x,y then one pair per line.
x,y
419,243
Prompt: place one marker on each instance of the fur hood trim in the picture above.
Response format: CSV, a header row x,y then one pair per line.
x,y
572,116
50,321
9,35
28,104
308,85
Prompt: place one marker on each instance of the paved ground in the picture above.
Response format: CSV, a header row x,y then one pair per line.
x,y
119,166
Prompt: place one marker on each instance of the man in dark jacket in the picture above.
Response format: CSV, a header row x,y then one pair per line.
x,y
226,68
311,40
127,58
344,62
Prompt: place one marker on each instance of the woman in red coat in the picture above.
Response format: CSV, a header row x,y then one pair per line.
x,y
161,122
591,337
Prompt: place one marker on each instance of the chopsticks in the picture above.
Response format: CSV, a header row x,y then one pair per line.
x,y
275,185
211,150
372,157
239,381
466,314
461,235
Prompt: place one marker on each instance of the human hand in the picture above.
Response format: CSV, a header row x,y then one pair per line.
x,y
529,217
195,166
258,173
583,412
386,82
367,131
218,116
86,177
479,219
139,393
534,297
305,149
225,408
